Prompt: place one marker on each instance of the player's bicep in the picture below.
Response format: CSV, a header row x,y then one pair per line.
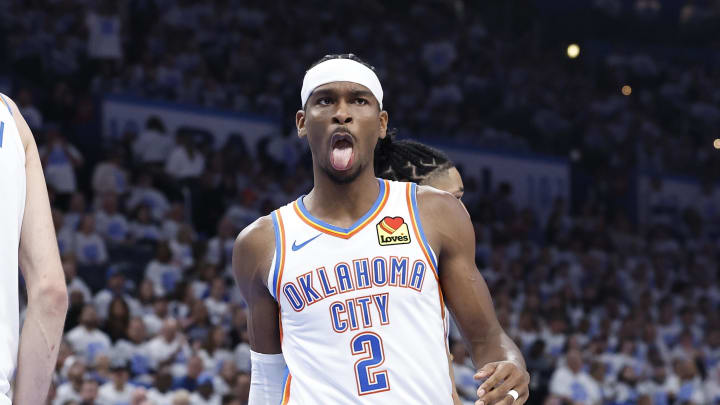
x,y
465,291
252,257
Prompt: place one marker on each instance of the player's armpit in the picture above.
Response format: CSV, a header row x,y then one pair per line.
x,y
251,260
449,230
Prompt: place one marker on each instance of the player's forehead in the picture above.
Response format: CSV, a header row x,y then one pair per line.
x,y
341,88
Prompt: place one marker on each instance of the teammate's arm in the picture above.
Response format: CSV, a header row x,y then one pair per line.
x,y
451,235
39,261
251,260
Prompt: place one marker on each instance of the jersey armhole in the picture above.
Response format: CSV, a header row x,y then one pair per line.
x,y
415,217
2,96
278,262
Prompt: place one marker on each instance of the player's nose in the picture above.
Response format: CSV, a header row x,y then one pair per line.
x,y
342,113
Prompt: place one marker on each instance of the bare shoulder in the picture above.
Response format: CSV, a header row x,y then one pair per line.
x,y
23,129
439,205
445,219
253,250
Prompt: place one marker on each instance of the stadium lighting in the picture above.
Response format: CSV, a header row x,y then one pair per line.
x,y
573,50
716,143
626,90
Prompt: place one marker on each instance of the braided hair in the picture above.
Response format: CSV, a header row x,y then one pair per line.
x,y
408,160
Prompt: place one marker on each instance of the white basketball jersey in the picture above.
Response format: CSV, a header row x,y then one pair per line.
x,y
361,311
12,206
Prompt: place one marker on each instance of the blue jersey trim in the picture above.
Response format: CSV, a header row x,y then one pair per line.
x,y
278,247
372,211
416,212
6,103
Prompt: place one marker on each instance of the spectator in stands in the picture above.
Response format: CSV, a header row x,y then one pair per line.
x,y
219,249
161,391
144,193
217,304
74,283
89,392
109,222
163,273
118,319
65,235
60,159
89,246
134,349
115,287
75,213
104,28
571,383
29,110
143,228
197,324
110,175
214,351
191,378
242,387
167,345
181,397
225,378
70,390
205,393
118,390
181,245
153,146
159,314
185,161
86,339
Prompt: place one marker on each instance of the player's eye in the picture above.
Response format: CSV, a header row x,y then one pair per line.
x,y
361,101
324,101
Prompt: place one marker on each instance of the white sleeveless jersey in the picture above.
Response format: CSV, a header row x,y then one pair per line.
x,y
361,311
12,206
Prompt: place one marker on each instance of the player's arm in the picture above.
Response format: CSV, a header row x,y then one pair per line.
x,y
251,260
451,235
41,268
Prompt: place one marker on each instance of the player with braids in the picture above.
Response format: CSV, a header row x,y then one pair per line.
x,y
408,160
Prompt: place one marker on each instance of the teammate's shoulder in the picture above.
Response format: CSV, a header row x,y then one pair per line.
x,y
436,199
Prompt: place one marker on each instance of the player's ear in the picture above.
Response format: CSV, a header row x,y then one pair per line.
x,y
383,124
300,123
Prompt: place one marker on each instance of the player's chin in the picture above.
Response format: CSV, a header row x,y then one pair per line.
x,y
343,176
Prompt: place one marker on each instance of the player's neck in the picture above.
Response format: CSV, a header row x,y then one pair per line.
x,y
342,204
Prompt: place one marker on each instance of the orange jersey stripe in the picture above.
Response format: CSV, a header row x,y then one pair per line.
x,y
286,391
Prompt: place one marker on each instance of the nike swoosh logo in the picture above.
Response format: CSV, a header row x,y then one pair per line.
x,y
296,247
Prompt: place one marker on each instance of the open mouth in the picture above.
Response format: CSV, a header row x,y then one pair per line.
x,y
341,150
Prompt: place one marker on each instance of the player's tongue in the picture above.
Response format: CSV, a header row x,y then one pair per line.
x,y
341,155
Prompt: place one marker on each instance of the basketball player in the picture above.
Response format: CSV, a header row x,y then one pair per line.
x,y
408,160
27,238
350,282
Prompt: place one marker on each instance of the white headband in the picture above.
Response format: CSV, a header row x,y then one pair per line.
x,y
340,70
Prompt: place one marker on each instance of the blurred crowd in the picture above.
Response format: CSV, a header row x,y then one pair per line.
x,y
470,75
607,311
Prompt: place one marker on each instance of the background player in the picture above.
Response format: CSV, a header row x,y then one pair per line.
x,y
408,160
342,118
26,228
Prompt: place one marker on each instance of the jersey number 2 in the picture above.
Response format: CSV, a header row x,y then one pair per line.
x,y
369,380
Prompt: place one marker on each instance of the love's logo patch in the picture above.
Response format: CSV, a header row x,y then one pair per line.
x,y
393,231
